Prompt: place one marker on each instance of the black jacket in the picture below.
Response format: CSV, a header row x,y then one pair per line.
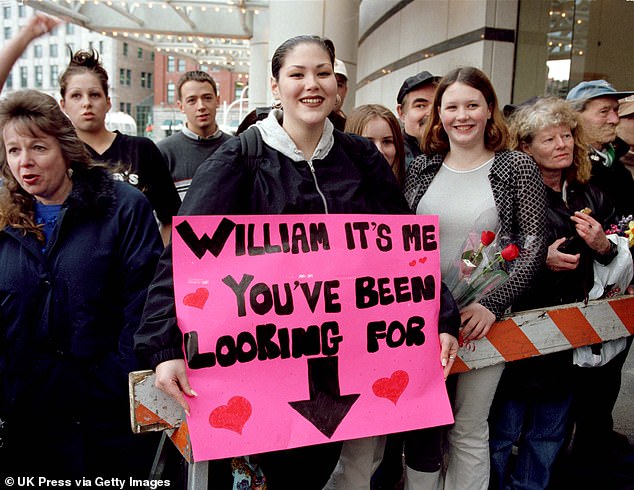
x,y
352,178
68,314
550,375
563,287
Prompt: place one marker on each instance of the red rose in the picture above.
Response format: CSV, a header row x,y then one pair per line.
x,y
511,252
487,237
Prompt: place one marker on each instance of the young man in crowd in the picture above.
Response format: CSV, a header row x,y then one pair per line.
x,y
185,150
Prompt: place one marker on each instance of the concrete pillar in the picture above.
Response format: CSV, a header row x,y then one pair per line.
x,y
335,19
259,70
341,25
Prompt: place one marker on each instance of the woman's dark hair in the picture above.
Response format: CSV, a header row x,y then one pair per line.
x,y
287,46
33,113
496,135
84,62
362,115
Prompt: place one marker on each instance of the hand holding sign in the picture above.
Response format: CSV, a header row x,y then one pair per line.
x,y
317,321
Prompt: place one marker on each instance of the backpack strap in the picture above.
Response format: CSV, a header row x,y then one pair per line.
x,y
251,143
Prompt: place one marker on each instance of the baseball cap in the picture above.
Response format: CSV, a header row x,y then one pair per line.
x,y
626,106
413,82
340,68
594,88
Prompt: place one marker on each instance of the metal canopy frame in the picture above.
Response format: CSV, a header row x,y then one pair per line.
x,y
211,31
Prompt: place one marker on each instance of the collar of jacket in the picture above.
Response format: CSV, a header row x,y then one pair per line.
x,y
93,192
277,138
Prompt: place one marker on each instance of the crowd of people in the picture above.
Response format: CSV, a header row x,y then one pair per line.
x,y
87,292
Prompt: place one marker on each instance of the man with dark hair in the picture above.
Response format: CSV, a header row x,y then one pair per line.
x,y
414,101
186,150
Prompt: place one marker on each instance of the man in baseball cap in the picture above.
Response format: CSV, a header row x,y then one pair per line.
x,y
341,74
596,389
597,102
414,102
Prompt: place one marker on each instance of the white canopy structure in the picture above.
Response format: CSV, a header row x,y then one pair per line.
x,y
212,31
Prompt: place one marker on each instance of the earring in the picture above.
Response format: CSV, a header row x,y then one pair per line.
x,y
69,173
338,101
277,104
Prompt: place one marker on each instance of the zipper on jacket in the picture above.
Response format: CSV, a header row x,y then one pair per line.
x,y
312,171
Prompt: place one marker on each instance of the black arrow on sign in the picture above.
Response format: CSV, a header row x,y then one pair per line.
x,y
326,408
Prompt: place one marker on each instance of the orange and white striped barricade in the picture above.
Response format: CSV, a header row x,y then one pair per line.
x,y
518,336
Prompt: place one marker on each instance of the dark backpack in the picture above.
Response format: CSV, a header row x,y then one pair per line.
x,y
251,143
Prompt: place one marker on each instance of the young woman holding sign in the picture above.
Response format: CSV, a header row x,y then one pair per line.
x,y
305,166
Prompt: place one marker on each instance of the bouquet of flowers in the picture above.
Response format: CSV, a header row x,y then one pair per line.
x,y
625,227
485,262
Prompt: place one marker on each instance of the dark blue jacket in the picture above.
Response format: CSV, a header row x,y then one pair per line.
x,y
68,314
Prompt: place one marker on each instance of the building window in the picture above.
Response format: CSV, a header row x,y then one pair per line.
x,y
70,28
6,12
9,82
90,46
171,63
143,79
37,51
24,77
170,92
54,81
149,80
238,88
121,76
21,11
52,50
39,76
7,33
125,49
128,77
181,65
152,56
556,48
121,106
139,53
128,108
100,47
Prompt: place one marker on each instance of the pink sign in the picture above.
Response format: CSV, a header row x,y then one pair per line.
x,y
305,329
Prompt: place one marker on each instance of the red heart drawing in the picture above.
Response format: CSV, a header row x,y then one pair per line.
x,y
197,299
393,387
422,260
231,416
412,263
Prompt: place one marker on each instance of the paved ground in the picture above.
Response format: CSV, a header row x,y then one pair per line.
x,y
624,410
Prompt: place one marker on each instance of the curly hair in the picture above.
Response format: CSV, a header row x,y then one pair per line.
x,y
496,135
545,112
359,118
84,62
32,113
